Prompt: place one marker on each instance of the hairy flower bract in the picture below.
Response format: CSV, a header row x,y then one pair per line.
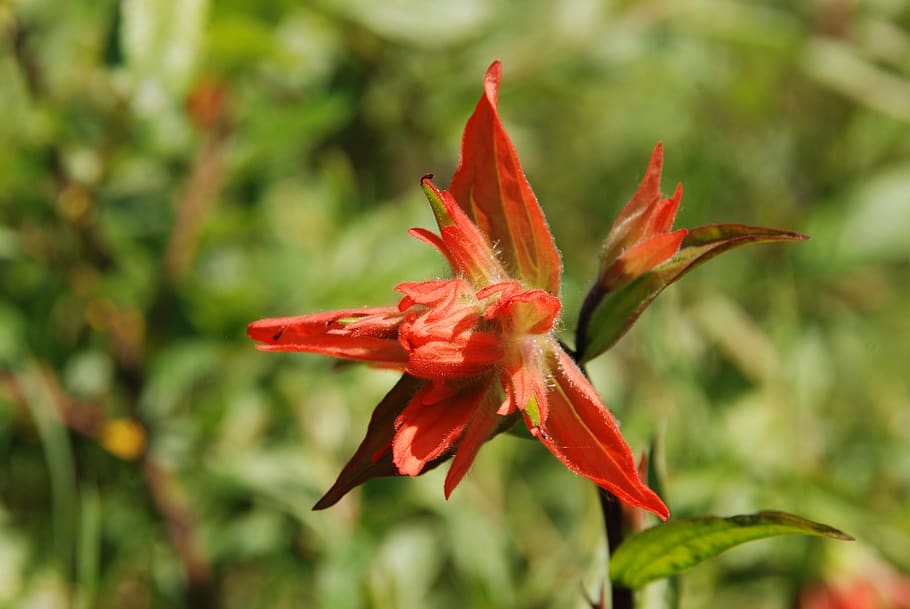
x,y
478,350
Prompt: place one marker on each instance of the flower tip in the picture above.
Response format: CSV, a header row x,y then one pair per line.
x,y
677,195
657,159
426,182
265,331
491,81
651,502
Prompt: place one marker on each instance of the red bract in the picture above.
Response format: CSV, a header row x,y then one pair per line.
x,y
640,238
477,350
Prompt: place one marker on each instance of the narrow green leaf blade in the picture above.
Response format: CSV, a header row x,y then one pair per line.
x,y
671,547
615,312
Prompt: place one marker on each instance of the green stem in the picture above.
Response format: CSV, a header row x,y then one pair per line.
x,y
594,297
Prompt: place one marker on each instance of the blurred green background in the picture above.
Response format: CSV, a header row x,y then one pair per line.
x,y
170,171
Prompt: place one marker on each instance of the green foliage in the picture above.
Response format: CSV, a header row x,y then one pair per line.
x,y
672,547
263,159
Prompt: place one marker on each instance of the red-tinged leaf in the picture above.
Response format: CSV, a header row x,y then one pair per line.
x,y
491,188
581,432
674,546
374,455
608,316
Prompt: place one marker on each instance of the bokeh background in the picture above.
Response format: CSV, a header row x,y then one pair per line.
x,y
172,170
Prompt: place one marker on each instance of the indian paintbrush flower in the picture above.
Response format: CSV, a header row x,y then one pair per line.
x,y
478,351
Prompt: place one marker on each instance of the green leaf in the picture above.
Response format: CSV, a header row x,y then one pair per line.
x,y
669,548
610,315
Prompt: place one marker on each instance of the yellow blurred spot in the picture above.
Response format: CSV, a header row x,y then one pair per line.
x,y
74,202
123,438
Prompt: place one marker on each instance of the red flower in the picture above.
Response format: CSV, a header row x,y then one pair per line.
x,y
477,350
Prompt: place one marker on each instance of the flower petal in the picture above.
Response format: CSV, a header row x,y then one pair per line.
x,y
433,421
368,334
479,429
583,434
524,312
443,341
491,188
465,355
525,387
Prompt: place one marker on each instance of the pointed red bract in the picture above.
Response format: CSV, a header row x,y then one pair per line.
x,y
646,214
583,434
490,186
641,258
640,238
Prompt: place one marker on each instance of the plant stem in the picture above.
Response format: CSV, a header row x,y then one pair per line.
x,y
620,596
595,295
